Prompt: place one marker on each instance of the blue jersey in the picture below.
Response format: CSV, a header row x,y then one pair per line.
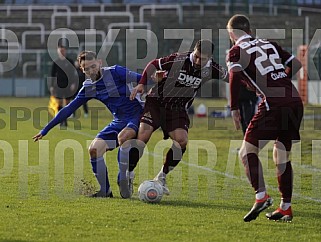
x,y
112,89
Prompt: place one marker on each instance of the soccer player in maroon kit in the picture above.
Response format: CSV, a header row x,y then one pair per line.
x,y
264,66
178,77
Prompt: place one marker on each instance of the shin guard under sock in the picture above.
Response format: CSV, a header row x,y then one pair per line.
x,y
254,171
135,154
285,180
100,171
173,157
123,162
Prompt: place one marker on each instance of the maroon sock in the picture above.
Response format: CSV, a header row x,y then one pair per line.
x,y
254,172
173,157
285,180
135,153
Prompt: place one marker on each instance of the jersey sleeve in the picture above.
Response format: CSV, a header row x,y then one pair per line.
x,y
235,75
163,63
149,70
166,63
127,76
233,60
64,113
235,80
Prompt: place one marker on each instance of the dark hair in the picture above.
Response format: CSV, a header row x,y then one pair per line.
x,y
86,55
239,22
205,47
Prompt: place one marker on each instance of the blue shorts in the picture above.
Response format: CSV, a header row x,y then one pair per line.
x,y
111,131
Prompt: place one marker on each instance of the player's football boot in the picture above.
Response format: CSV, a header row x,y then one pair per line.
x,y
161,178
131,182
281,215
103,194
259,206
126,185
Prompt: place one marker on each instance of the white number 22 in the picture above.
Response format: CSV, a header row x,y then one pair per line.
x,y
264,57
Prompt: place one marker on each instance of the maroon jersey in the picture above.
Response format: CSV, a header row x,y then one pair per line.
x,y
260,65
182,80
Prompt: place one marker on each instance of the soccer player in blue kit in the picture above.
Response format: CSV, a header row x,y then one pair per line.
x,y
112,86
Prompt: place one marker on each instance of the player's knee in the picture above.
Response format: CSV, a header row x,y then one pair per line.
x,y
281,158
246,149
144,135
96,152
280,154
92,152
124,140
181,142
121,140
126,135
242,153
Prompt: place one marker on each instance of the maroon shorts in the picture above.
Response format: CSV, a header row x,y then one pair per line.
x,y
279,123
168,119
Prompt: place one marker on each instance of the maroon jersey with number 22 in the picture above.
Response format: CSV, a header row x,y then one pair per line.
x,y
262,66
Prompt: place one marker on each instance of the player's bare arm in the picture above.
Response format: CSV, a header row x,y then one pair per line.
x,y
236,116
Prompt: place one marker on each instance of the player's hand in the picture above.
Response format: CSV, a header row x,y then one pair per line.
x,y
158,76
236,118
138,89
37,137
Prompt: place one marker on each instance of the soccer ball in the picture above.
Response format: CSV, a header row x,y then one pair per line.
x,y
150,191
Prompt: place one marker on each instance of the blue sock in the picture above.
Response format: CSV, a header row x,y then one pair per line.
x,y
123,162
101,173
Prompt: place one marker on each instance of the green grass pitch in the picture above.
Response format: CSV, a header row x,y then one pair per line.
x,y
43,186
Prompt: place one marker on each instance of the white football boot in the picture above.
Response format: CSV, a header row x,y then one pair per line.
x,y
161,178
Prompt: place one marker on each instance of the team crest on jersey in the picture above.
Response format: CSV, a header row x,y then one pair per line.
x,y
205,73
189,80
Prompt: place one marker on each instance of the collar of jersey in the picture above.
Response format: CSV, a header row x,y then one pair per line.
x,y
208,64
90,82
246,36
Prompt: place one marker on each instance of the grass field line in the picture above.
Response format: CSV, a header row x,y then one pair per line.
x,y
220,172
303,167
235,177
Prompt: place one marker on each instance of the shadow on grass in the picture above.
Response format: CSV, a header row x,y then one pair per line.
x,y
197,204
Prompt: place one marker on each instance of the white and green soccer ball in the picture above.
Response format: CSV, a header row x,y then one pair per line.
x,y
150,191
